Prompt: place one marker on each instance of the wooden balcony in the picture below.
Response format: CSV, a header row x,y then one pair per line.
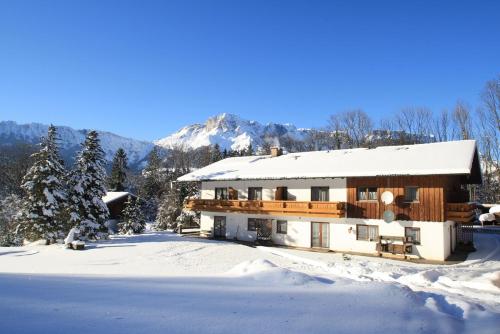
x,y
461,212
281,208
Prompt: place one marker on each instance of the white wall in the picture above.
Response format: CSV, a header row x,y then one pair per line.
x,y
298,188
434,236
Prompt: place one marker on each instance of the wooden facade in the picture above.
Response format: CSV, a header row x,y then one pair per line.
x,y
440,197
429,207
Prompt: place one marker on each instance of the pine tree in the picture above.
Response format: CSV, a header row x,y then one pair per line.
x,y
249,151
153,184
10,214
133,219
45,193
87,210
118,178
216,154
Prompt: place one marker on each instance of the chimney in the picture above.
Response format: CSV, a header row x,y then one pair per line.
x,y
276,151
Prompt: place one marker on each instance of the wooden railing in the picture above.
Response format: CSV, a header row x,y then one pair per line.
x,y
285,208
461,212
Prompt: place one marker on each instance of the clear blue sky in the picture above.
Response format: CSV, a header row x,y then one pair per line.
x,y
145,68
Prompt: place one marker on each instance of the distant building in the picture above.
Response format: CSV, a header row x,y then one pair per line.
x,y
407,200
115,201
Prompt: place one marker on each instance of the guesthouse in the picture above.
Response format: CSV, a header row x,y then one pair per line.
x,y
411,201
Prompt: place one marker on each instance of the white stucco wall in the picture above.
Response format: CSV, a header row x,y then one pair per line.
x,y
299,189
434,236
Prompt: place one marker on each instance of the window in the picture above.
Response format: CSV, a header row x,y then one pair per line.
x,y
319,194
367,194
366,232
412,235
255,193
411,194
221,193
252,224
281,226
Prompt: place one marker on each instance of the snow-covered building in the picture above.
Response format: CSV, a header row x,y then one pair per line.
x,y
408,200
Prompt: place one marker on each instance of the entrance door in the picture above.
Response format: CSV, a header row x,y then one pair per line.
x,y
219,227
264,229
319,235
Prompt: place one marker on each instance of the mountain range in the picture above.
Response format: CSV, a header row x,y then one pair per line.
x,y
229,131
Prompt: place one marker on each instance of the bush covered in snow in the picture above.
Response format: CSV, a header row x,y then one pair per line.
x,y
187,218
167,215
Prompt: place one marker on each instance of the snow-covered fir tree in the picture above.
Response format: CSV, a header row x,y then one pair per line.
x,y
118,178
45,194
10,214
153,183
133,219
86,189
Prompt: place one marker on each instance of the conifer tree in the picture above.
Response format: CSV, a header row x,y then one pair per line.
x,y
152,186
87,210
45,193
133,219
216,154
249,151
118,178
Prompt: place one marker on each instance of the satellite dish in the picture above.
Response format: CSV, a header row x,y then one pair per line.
x,y
387,197
388,216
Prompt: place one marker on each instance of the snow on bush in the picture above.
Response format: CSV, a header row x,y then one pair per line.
x,y
486,217
495,209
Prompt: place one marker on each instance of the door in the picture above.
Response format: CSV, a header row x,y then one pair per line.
x,y
320,235
255,193
264,229
219,227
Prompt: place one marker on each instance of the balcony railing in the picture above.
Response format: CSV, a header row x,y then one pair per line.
x,y
285,208
461,212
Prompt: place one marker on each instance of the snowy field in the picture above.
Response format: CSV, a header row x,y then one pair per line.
x,y
163,283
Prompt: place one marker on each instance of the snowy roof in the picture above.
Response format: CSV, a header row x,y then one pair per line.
x,y
114,195
455,157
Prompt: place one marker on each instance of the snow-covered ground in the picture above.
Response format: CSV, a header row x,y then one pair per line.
x,y
161,282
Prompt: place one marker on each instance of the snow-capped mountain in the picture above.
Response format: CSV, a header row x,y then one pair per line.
x,y
70,140
230,132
